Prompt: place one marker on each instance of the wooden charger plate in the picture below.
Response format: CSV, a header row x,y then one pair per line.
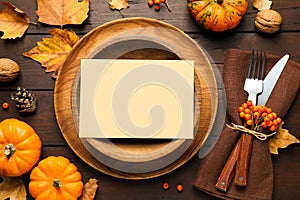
x,y
135,38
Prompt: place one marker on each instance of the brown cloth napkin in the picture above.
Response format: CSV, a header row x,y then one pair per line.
x,y
260,181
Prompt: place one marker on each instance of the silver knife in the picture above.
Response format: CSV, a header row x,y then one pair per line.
x,y
268,84
271,79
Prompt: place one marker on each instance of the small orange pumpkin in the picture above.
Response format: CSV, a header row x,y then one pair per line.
x,y
218,15
55,178
20,147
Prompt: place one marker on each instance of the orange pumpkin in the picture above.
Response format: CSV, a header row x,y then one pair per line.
x,y
55,178
218,15
20,147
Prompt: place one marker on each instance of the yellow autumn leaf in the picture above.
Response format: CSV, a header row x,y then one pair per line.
x,y
281,140
62,12
118,4
12,188
262,4
89,189
13,21
52,52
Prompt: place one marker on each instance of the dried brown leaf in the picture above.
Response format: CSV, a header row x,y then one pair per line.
x,y
52,52
118,4
262,4
62,11
13,21
12,188
89,190
281,140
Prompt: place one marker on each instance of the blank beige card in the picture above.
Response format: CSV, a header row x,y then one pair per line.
x,y
136,99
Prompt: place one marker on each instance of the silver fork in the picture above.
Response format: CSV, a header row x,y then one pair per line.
x,y
254,80
254,86
238,162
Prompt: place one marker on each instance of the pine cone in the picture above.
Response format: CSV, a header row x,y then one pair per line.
x,y
25,101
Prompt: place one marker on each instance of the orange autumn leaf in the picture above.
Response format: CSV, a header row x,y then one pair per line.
x,y
89,190
262,4
13,21
118,4
12,188
52,52
281,140
62,12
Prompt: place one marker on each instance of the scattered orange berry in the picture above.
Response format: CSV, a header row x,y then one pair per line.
x,y
269,110
264,114
245,105
256,115
273,128
179,187
242,114
270,123
166,185
241,109
255,109
249,103
249,122
156,2
247,117
270,116
247,111
150,3
264,125
5,105
262,108
156,7
266,120
278,120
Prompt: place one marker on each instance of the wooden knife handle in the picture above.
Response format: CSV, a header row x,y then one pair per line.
x,y
227,173
242,166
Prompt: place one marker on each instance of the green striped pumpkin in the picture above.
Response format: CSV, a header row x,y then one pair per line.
x,y
218,15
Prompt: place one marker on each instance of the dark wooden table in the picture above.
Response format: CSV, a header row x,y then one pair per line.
x,y
246,36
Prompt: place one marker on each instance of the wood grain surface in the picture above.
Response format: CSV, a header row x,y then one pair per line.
x,y
245,36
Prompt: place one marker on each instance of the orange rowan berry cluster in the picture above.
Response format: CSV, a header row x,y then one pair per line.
x,y
259,116
156,4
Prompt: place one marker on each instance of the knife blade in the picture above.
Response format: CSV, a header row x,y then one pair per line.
x,y
268,86
271,80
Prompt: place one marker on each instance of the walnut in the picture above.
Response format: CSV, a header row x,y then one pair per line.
x,y
9,70
268,21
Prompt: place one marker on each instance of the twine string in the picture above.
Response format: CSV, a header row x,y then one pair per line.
x,y
258,135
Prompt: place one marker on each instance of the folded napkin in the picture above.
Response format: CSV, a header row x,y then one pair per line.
x,y
260,179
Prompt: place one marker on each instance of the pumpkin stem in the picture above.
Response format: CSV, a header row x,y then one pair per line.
x,y
56,183
219,1
9,150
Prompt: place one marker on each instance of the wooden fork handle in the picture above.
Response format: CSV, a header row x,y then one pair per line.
x,y
242,166
227,172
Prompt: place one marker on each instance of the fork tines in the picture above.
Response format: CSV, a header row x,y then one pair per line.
x,y
257,60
